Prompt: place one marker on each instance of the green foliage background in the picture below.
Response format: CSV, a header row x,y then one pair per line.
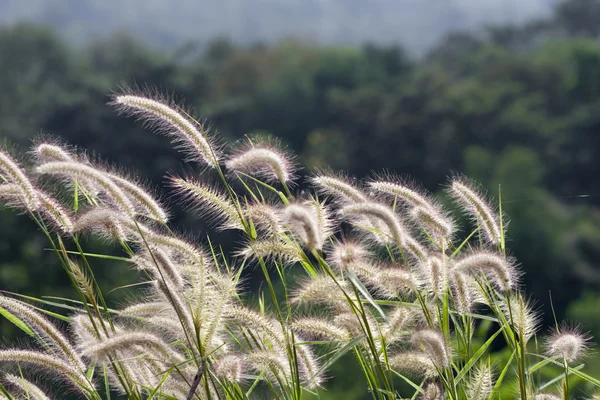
x,y
518,107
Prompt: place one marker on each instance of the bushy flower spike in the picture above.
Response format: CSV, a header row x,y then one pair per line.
x,y
56,366
58,216
50,209
464,291
323,217
381,212
249,319
145,309
320,328
230,368
434,345
568,343
265,218
208,200
151,344
106,222
321,289
47,152
434,275
50,336
474,204
402,192
141,199
395,280
413,362
302,220
433,222
481,384
287,253
173,123
160,266
432,391
276,367
339,188
496,268
519,313
343,253
25,388
12,173
262,162
546,396
308,366
75,170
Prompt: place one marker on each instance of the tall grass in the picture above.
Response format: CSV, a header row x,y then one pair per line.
x,y
373,271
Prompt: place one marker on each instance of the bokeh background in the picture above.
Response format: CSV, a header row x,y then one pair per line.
x,y
504,91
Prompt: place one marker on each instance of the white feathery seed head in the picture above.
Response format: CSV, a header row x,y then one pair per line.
x,y
265,218
208,200
303,221
496,268
520,314
48,152
475,204
75,170
47,333
287,253
413,362
264,162
342,253
25,388
379,212
142,200
190,136
11,172
320,328
481,383
338,187
49,363
568,343
433,221
393,187
434,345
321,289
230,368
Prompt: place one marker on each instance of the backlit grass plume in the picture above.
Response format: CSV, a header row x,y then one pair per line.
x,y
376,274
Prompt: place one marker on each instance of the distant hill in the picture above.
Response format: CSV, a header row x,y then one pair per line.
x,y
417,24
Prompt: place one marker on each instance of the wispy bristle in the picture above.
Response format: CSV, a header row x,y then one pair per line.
x,y
172,123
433,222
344,253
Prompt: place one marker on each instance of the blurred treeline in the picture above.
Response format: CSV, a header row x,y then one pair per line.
x,y
516,106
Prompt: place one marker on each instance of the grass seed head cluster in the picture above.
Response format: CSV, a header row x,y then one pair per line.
x,y
371,269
